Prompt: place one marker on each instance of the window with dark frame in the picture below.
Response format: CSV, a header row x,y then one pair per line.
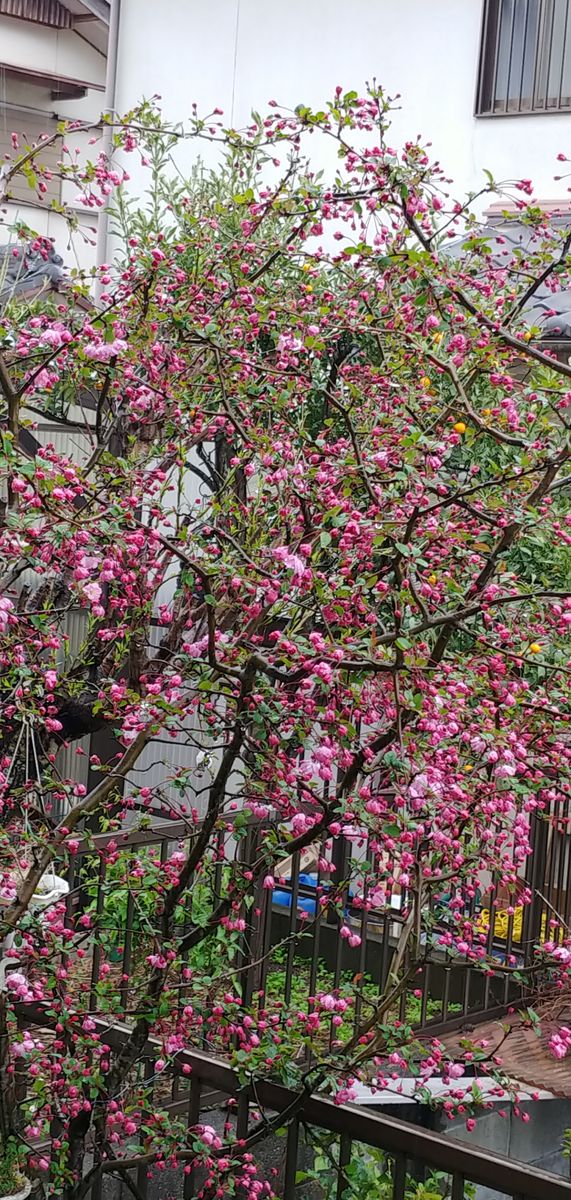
x,y
525,58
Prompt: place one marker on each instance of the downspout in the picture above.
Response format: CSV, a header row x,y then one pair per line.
x,y
102,246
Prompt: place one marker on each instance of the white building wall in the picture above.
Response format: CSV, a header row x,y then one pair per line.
x,y
238,54
59,51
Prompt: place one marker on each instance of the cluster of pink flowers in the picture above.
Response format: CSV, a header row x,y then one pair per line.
x,y
560,1042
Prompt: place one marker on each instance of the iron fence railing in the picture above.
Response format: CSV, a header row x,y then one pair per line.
x,y
256,1112
293,930
298,932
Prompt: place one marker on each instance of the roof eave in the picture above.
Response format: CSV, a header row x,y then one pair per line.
x,y
99,10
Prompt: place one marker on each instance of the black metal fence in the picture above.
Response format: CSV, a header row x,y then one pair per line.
x,y
292,931
257,1112
291,940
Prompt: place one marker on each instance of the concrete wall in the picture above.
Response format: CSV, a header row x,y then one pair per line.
x,y
537,1141
238,54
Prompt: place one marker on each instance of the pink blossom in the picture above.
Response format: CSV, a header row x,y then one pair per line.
x,y
101,351
292,561
92,591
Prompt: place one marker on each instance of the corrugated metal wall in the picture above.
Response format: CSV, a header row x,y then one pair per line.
x,y
72,442
43,12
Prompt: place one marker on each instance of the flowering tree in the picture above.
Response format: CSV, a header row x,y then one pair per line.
x,y
320,539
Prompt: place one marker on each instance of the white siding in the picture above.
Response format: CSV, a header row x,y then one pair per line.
x,y
73,442
60,52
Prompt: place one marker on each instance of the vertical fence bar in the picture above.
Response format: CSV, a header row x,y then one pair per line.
x,y
345,1148
193,1118
142,1171
186,926
566,873
562,828
466,996
96,961
290,961
362,955
264,945
457,1192
509,951
97,1186
127,950
243,1113
537,866
341,857
386,951
244,957
425,991
549,881
291,1160
317,934
561,844
404,995
446,992
72,874
491,938
399,1177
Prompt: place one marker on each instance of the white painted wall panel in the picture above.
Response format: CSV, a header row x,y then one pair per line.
x,y
52,51
241,53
